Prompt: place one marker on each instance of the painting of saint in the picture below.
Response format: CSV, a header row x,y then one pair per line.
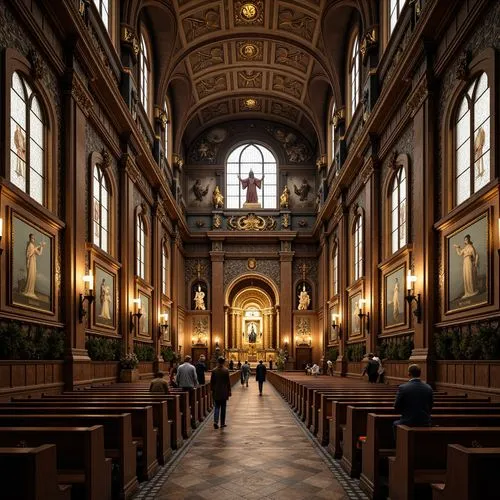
x,y
105,291
145,319
31,266
468,264
354,323
395,305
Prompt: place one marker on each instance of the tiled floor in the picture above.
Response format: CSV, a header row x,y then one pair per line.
x,y
262,453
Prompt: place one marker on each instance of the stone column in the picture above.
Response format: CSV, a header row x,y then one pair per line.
x,y
233,329
238,329
343,273
158,215
286,291
217,257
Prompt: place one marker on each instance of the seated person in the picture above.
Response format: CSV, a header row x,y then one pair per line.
x,y
414,401
159,384
315,370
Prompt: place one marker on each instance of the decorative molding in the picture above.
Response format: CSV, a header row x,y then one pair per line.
x,y
251,222
338,116
462,71
129,38
285,221
418,96
106,159
217,221
81,95
369,42
161,116
37,65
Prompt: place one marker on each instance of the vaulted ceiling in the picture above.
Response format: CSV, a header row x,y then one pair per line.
x,y
237,59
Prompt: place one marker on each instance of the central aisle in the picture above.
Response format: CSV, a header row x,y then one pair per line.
x,y
262,453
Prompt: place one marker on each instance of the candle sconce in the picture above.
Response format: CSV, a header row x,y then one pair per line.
x,y
163,323
137,314
88,296
364,316
336,325
411,297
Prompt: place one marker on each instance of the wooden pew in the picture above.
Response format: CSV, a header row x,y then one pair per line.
x,y
379,446
31,474
357,423
163,406
118,442
470,473
143,431
421,454
80,455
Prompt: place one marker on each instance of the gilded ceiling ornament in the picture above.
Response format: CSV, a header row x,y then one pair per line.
x,y
250,50
252,264
249,12
249,79
250,104
251,222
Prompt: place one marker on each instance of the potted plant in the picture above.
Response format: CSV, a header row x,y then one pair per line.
x,y
128,365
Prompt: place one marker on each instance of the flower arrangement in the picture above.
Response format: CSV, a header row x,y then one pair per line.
x,y
129,361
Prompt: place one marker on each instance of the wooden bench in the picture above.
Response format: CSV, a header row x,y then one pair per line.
x,y
168,430
421,454
379,446
80,455
143,431
357,423
118,442
470,473
31,474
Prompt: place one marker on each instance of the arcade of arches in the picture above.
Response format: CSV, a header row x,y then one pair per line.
x,y
267,179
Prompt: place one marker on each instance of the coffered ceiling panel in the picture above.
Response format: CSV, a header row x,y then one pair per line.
x,y
249,58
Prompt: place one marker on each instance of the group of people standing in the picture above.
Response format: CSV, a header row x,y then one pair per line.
x,y
374,369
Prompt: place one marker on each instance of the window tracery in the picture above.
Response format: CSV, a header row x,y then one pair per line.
x,y
399,210
140,246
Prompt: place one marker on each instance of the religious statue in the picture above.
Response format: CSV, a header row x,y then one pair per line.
x,y
395,300
217,198
251,184
252,335
303,191
20,143
470,265
199,299
285,197
199,192
105,299
304,299
32,252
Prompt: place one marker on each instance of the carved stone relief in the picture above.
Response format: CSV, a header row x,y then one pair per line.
x,y
211,85
214,110
296,22
250,50
292,57
249,13
249,79
199,191
205,58
290,86
250,104
296,150
201,22
235,268
285,110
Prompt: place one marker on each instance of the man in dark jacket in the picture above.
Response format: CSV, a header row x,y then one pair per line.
x,y
260,375
371,369
221,390
201,368
414,401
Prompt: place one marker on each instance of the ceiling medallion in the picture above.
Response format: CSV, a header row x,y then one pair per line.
x,y
248,11
250,102
248,51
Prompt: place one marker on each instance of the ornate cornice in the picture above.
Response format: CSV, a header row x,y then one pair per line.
x,y
251,222
129,38
81,95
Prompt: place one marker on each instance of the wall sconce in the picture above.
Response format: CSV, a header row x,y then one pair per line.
x,y
410,297
336,325
88,296
137,314
363,315
163,323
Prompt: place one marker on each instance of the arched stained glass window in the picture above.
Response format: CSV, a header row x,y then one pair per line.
x,y
103,8
144,70
358,247
354,75
101,212
243,162
140,247
472,140
399,211
27,140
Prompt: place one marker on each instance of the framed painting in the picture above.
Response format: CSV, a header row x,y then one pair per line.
x,y
394,298
333,332
354,320
105,301
467,265
145,320
32,271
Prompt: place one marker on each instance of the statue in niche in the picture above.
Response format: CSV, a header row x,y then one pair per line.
x,y
199,299
252,334
285,198
199,192
303,191
251,184
304,299
217,198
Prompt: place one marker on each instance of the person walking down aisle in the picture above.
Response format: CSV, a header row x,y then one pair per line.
x,y
186,377
201,368
260,375
159,384
221,390
245,373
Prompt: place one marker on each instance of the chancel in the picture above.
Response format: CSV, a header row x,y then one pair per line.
x,y
300,199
